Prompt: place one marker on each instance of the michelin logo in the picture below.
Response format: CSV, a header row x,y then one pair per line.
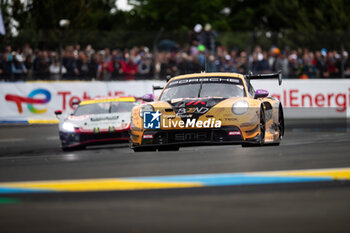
x,y
151,120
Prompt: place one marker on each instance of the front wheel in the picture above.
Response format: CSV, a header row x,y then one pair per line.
x,y
245,144
66,148
168,148
262,127
144,149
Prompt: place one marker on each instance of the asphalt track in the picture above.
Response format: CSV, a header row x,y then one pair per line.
x,y
31,153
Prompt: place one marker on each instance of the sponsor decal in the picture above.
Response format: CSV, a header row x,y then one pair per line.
x,y
151,120
68,98
109,118
198,110
230,119
192,123
233,133
192,136
194,103
78,118
147,136
209,79
30,100
299,98
193,107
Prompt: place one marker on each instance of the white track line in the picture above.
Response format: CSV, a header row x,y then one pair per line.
x,y
53,138
6,140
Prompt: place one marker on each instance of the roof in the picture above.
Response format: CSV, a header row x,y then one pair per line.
x,y
109,99
218,74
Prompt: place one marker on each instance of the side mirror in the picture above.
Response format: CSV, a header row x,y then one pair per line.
x,y
279,78
147,98
58,113
75,102
157,88
261,93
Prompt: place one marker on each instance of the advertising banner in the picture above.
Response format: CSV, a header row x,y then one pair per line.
x,y
37,101
315,98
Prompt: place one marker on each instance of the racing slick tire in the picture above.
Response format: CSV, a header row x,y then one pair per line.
x,y
66,148
262,126
144,149
281,122
168,148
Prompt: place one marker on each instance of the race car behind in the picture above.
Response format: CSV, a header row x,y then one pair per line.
x,y
95,122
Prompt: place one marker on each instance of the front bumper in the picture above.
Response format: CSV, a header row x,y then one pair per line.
x,y
76,139
188,137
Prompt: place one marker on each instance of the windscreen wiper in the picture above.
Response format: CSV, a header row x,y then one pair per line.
x,y
200,89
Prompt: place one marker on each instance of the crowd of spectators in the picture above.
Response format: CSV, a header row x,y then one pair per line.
x,y
139,63
77,63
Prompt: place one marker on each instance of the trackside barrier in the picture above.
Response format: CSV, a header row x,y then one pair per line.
x,y
315,98
35,102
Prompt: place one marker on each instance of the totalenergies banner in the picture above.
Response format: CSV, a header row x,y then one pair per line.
x,y
315,98
37,101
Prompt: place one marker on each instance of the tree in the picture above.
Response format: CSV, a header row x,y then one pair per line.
x,y
292,22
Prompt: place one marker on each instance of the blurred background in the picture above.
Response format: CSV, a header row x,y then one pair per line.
x,y
151,39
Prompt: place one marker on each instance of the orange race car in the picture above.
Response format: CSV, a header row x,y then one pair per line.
x,y
208,108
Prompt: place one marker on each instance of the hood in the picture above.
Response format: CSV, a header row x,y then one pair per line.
x,y
193,107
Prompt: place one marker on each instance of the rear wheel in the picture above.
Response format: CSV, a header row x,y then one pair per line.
x,y
144,149
244,144
262,126
280,123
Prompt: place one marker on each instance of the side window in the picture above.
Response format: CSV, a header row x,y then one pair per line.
x,y
250,88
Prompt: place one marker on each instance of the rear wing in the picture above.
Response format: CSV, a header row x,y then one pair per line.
x,y
278,76
155,91
157,88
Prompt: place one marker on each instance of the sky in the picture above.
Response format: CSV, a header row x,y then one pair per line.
x,y
123,5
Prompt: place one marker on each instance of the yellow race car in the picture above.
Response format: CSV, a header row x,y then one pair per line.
x,y
208,108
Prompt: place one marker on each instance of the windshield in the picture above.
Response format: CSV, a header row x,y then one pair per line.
x,y
103,108
204,87
121,107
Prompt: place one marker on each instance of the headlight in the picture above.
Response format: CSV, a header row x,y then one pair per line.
x,y
240,107
68,127
146,108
